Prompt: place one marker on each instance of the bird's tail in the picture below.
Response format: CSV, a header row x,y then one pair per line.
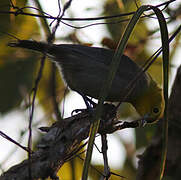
x,y
29,44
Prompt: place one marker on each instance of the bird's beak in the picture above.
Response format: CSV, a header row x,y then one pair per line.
x,y
144,120
147,119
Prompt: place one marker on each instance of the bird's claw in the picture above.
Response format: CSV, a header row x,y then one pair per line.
x,y
88,110
142,123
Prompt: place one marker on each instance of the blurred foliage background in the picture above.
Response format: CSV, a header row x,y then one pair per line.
x,y
18,68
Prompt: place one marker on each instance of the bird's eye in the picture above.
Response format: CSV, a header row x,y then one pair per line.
x,y
156,110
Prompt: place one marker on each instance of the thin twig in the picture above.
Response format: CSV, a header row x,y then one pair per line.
x,y
53,83
15,142
106,173
80,19
34,91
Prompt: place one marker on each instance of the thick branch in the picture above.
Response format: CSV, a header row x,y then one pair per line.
x,y
59,144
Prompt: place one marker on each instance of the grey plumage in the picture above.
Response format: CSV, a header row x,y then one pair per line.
x,y
85,69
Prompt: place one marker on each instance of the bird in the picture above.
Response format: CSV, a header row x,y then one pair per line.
x,y
85,70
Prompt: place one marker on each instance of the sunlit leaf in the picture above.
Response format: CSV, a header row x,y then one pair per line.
x,y
16,68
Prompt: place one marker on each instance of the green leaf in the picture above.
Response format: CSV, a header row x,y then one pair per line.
x,y
16,79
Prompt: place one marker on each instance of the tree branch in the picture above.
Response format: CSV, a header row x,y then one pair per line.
x,y
60,143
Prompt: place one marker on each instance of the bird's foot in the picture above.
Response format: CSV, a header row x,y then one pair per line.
x,y
142,123
88,101
88,110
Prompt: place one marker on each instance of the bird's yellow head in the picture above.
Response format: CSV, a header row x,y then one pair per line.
x,y
150,105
